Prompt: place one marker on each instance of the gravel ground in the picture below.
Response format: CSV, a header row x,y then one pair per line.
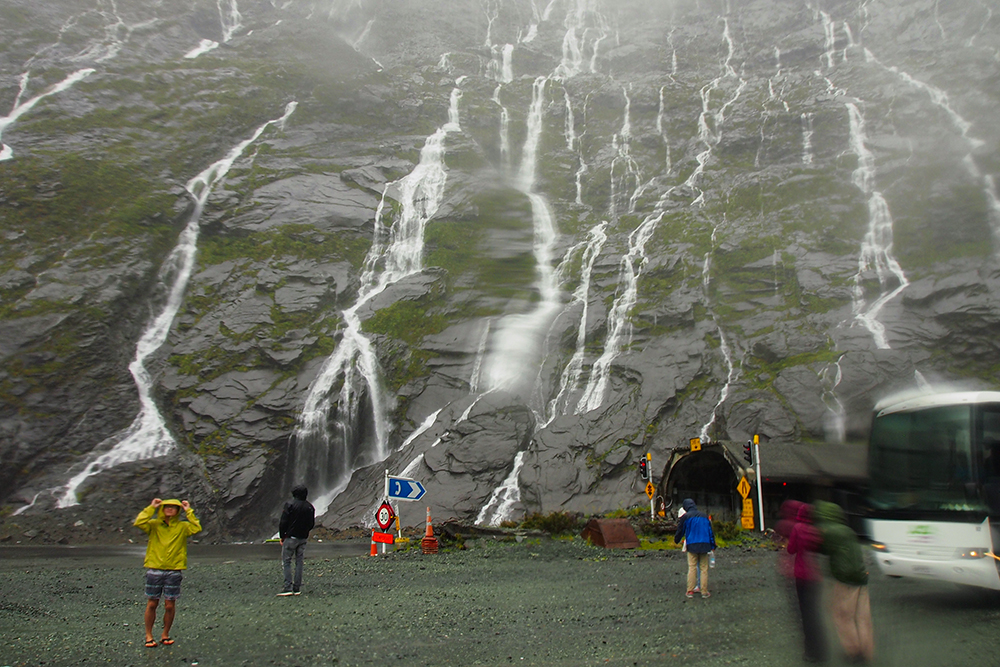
x,y
537,602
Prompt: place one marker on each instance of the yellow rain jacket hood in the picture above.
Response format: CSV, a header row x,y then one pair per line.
x,y
167,547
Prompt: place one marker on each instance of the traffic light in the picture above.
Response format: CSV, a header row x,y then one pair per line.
x,y
643,468
748,452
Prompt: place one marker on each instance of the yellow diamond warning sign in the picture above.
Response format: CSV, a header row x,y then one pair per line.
x,y
650,489
743,487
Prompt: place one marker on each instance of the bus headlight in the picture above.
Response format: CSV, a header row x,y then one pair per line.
x,y
972,553
879,547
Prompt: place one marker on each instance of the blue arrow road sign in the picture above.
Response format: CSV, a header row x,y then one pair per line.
x,y
406,489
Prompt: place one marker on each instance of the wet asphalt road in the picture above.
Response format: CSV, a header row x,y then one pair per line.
x,y
539,602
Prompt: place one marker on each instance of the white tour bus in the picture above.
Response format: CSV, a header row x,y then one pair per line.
x,y
934,494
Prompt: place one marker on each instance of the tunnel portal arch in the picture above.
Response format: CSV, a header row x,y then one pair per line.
x,y
709,477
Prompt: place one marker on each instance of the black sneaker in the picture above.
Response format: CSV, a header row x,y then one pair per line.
x,y
283,594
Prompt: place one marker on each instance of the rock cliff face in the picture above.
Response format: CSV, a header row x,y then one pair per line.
x,y
503,247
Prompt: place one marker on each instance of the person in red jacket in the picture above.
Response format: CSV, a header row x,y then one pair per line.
x,y
803,542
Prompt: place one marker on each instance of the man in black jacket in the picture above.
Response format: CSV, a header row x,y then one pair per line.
x,y
297,518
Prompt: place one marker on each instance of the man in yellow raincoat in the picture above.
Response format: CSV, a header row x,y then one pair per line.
x,y
166,559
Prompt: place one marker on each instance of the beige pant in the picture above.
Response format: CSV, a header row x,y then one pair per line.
x,y
852,616
695,561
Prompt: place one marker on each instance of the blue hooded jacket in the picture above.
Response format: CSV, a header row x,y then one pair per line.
x,y
696,527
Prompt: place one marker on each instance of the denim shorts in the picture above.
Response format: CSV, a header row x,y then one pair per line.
x,y
165,583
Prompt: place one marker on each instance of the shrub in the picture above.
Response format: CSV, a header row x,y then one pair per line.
x,y
727,530
553,523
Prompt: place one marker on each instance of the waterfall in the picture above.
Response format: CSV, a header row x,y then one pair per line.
x,y
504,130
727,354
327,461
516,341
807,135
634,260
148,436
830,39
575,40
477,366
835,422
619,322
570,132
661,129
21,108
941,100
230,17
570,378
503,498
622,145
876,246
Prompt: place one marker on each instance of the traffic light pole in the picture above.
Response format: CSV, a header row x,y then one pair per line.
x,y
760,484
649,467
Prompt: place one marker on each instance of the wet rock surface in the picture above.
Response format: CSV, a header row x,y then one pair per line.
x,y
739,132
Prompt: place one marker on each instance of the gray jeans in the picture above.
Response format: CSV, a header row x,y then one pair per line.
x,y
293,547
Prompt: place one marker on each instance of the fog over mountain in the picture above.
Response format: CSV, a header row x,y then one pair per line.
x,y
503,247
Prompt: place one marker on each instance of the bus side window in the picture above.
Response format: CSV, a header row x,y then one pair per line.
x,y
991,476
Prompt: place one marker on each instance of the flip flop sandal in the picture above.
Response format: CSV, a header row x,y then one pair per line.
x,y
151,644
166,641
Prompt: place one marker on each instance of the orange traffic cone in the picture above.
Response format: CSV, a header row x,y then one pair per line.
x,y
374,546
429,545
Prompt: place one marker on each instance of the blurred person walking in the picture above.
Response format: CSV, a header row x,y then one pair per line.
x,y
803,542
166,559
850,606
297,518
696,529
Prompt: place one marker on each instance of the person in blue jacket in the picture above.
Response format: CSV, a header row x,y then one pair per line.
x,y
695,527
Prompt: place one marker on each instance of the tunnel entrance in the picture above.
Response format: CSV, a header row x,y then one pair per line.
x,y
709,479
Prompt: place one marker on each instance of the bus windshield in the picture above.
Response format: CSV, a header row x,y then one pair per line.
x,y
924,460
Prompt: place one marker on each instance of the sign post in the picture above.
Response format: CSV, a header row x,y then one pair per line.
x,y
403,489
746,518
760,482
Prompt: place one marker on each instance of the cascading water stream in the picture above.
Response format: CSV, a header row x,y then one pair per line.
x,y
625,173
323,461
501,502
517,339
876,247
570,378
724,347
477,366
941,100
635,259
619,322
230,18
836,417
148,436
21,108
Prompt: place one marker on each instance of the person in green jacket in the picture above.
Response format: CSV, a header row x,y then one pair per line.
x,y
851,609
166,559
